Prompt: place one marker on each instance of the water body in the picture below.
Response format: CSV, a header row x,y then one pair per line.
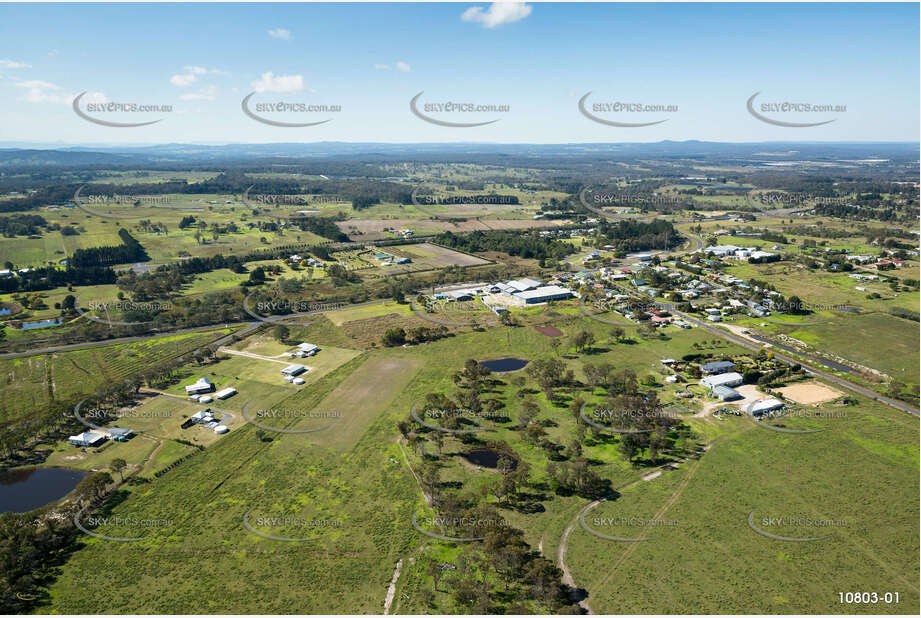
x,y
42,324
5,311
504,364
487,458
23,490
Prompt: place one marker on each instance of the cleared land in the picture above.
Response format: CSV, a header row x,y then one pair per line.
x,y
810,393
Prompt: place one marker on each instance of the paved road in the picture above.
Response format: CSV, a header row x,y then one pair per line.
x,y
92,344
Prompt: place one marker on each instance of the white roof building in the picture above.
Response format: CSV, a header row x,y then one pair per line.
x,y
757,408
225,393
307,347
203,385
293,370
522,285
723,379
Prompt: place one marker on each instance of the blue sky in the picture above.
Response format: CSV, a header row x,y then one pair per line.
x,y
538,59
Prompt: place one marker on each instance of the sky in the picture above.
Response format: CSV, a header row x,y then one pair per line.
x,y
530,64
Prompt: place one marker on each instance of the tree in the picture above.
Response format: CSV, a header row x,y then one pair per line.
x,y
118,464
257,276
394,337
582,340
281,333
617,334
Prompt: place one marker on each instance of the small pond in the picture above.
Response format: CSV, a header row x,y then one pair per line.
x,y
23,490
487,458
504,364
42,324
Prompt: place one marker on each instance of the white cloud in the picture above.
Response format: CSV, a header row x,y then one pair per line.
x,y
497,14
191,74
280,33
183,80
39,91
269,82
399,66
13,64
208,93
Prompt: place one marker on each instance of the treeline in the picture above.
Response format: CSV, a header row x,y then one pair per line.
x,y
21,225
520,244
322,226
129,251
50,277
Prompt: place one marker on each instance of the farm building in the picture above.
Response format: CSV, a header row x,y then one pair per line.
x,y
725,393
403,260
203,385
220,429
293,370
724,379
460,295
308,348
522,285
202,417
764,406
120,434
297,381
225,393
87,438
717,367
544,294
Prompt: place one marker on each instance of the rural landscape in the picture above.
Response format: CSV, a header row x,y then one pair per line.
x,y
453,377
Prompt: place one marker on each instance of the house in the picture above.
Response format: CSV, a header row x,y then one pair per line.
x,y
544,294
225,393
293,370
87,438
758,408
725,393
203,385
120,434
717,367
723,379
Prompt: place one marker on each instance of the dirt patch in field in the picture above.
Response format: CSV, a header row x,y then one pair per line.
x,y
366,332
362,396
550,331
810,393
